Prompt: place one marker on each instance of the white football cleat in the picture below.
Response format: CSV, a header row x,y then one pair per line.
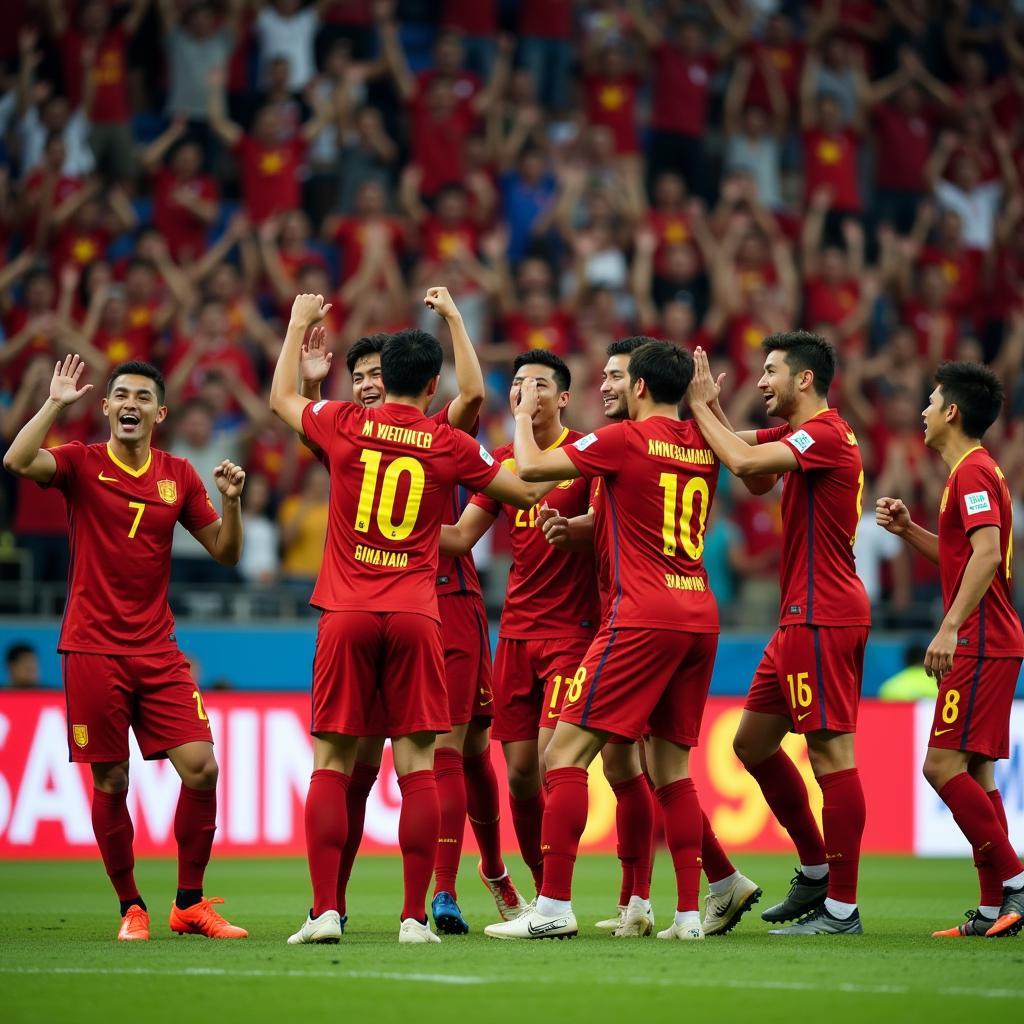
x,y
637,920
415,932
507,897
325,929
533,925
723,910
612,924
683,931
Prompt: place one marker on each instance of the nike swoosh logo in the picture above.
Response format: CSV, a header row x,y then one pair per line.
x,y
108,479
941,732
553,714
800,718
548,926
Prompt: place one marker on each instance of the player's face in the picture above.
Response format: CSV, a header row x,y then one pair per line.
x,y
133,408
549,399
615,387
367,382
934,416
777,386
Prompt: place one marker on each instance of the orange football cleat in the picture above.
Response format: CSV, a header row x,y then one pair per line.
x,y
202,919
134,925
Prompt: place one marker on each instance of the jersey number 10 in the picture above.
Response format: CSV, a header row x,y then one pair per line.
x,y
403,466
691,539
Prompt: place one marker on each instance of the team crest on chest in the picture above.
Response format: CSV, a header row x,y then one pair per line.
x,y
168,490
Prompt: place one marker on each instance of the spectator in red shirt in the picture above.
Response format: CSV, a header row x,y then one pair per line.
x,y
477,21
349,232
780,47
545,44
830,148
610,87
961,266
108,328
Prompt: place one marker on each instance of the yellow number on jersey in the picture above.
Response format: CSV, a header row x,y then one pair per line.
x,y
389,529
200,710
524,518
140,507
692,544
800,694
860,506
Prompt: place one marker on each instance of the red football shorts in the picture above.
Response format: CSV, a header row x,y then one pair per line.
x,y
531,678
153,694
811,675
972,708
634,682
467,657
393,657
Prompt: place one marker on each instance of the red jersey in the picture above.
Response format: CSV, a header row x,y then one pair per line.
x,y
471,17
670,228
821,506
184,231
612,103
443,242
109,75
682,89
546,19
906,142
270,176
120,525
659,481
555,334
928,323
120,347
551,593
826,303
963,269
977,495
350,235
788,61
830,159
438,144
393,471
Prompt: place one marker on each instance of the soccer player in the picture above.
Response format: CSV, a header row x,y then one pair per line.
x,y
809,679
976,654
648,669
731,894
122,665
551,610
379,637
462,758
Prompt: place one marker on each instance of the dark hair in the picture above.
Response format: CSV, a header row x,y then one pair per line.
x,y
16,651
805,351
666,369
627,346
542,357
409,361
366,346
138,369
976,392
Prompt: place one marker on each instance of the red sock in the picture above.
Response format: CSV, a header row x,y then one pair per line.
x,y
785,793
195,821
565,818
634,824
682,833
483,809
715,860
418,827
527,815
976,815
363,778
657,821
451,795
842,818
326,830
990,881
112,825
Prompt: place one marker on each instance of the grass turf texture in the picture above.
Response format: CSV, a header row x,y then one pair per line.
x,y
60,961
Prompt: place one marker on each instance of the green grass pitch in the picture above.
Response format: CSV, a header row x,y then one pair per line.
x,y
59,960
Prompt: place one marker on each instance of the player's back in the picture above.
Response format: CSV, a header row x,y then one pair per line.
x,y
393,471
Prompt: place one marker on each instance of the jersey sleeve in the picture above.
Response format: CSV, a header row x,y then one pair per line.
x,y
600,453
197,511
769,434
69,458
320,422
816,445
475,467
977,496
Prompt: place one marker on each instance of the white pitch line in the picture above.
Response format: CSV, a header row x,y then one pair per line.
x,y
844,988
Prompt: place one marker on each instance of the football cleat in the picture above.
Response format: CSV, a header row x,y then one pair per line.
x,y
324,930
416,933
805,894
821,922
507,897
612,924
1011,914
637,920
976,924
723,910
447,916
686,932
202,919
533,925
134,925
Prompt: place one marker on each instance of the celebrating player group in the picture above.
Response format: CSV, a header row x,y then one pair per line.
x,y
607,637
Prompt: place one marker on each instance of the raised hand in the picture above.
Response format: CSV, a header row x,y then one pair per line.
x,y
308,309
315,359
703,389
892,515
528,401
440,301
229,478
64,389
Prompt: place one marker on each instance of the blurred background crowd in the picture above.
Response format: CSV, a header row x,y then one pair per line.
x,y
574,171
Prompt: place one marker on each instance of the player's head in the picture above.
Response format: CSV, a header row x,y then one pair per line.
x,y
22,666
363,362
798,364
615,376
659,374
553,382
967,400
135,401
410,364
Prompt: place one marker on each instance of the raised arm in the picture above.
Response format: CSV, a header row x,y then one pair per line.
x,y
153,154
223,539
814,229
893,515
465,407
736,94
220,123
285,400
394,56
460,539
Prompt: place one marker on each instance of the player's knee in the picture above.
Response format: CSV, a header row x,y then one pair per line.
x,y
110,778
747,752
523,779
619,769
936,770
202,775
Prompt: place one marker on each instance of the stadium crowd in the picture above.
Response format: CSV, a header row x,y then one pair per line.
x,y
173,172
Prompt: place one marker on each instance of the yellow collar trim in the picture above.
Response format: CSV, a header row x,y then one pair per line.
x,y
558,442
128,469
970,451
